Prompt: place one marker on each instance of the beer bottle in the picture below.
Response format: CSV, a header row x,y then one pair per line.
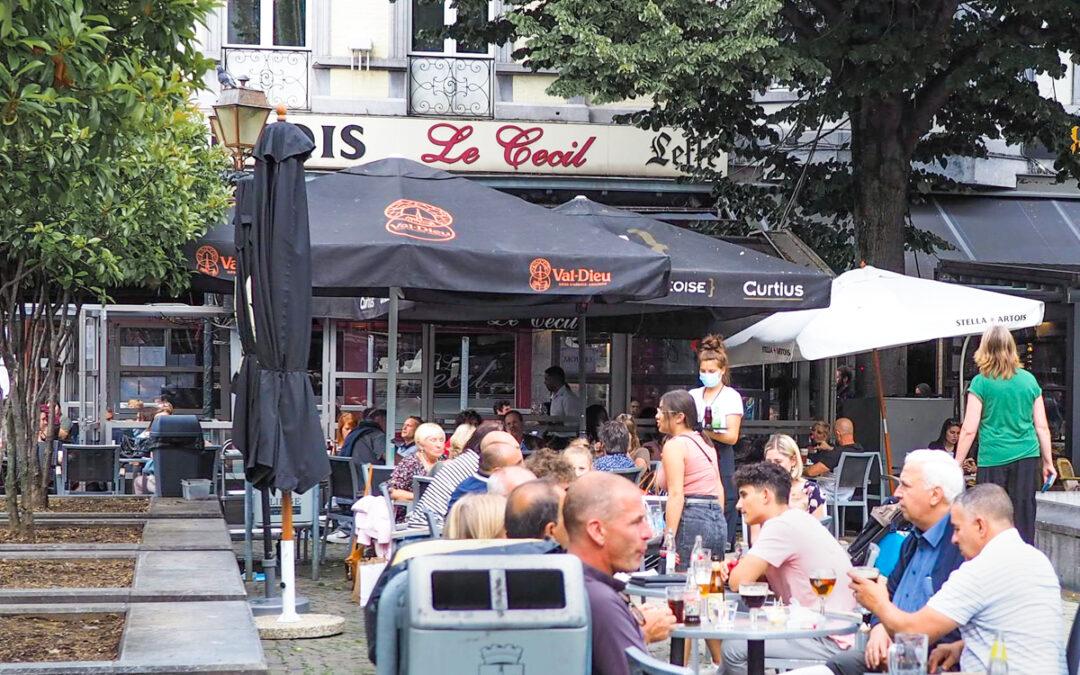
x,y
999,660
669,552
708,418
716,580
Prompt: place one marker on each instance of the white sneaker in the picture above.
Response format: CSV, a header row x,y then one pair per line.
x,y
338,537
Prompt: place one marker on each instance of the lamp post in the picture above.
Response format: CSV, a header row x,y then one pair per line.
x,y
238,120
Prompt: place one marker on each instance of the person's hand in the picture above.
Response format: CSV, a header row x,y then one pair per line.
x,y
877,647
969,466
873,595
797,498
659,622
1047,470
944,656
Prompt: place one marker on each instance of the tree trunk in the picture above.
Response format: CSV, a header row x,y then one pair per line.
x,y
882,162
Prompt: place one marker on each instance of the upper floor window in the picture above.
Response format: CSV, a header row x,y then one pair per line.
x,y
428,19
267,23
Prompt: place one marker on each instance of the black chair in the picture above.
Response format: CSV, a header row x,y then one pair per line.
x,y
1072,652
344,486
632,474
376,475
91,464
852,473
419,486
643,663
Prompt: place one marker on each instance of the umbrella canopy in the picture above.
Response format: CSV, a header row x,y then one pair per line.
x,y
276,422
441,238
708,272
876,309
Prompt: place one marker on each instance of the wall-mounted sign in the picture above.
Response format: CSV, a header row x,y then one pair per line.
x,y
499,146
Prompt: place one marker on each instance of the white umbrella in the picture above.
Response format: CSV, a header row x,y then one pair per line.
x,y
874,309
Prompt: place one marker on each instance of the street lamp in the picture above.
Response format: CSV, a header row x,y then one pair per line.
x,y
240,115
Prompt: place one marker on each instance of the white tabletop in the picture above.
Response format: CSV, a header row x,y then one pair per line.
x,y
742,629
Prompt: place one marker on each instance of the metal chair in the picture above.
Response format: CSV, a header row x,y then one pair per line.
x,y
434,527
375,475
632,474
90,464
642,663
852,473
419,486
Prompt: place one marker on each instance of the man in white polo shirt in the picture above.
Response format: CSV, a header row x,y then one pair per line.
x,y
1005,586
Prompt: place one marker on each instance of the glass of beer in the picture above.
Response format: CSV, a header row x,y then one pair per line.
x,y
675,600
869,573
822,580
702,571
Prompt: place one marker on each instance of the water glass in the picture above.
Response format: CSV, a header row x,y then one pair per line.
x,y
907,655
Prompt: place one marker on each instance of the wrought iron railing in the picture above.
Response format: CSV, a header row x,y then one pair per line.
x,y
283,74
452,85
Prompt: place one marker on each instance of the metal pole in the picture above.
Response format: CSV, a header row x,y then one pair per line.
x,y
582,393
249,516
884,422
269,563
315,534
1072,391
464,391
391,375
208,368
963,389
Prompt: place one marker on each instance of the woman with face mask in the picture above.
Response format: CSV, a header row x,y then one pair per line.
x,y
720,413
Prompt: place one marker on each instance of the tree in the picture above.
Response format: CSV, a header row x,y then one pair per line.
x,y
107,174
918,85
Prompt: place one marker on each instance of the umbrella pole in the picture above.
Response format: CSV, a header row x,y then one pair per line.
x,y
288,561
583,401
391,376
884,419
269,564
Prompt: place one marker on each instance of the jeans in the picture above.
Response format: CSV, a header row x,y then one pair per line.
x,y
810,649
700,518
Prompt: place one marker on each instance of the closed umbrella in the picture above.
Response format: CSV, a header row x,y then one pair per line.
x,y
277,423
875,309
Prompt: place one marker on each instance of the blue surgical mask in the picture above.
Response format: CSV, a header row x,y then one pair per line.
x,y
710,380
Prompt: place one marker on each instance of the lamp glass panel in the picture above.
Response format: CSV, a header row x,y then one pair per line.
x,y
252,121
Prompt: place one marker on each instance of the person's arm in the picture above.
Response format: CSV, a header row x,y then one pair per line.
x,y
970,427
818,469
401,495
640,463
673,459
1042,430
945,656
750,569
874,596
730,435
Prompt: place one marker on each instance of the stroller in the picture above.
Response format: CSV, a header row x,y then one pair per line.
x,y
884,520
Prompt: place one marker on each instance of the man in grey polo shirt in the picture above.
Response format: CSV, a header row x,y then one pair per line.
x,y
1006,586
608,530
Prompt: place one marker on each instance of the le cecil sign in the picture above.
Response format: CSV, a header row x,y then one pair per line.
x,y
497,146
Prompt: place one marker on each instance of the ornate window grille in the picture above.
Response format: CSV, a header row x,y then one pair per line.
x,y
284,74
452,85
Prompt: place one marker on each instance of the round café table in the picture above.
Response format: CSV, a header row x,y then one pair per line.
x,y
650,590
755,637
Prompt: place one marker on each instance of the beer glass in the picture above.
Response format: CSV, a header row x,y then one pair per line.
x,y
754,596
822,580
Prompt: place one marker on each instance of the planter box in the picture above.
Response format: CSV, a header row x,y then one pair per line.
x,y
162,534
160,507
172,637
1057,534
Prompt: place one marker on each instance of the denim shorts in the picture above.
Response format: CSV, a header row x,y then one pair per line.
x,y
705,518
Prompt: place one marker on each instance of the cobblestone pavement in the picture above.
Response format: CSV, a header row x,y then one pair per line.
x,y
346,654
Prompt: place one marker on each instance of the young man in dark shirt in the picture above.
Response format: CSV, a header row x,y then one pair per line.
x,y
608,530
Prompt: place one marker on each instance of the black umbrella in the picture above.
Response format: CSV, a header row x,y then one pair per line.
x,y
277,422
708,272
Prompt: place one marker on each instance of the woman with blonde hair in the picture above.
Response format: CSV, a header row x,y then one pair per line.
x,y
783,451
1005,408
460,436
477,516
580,455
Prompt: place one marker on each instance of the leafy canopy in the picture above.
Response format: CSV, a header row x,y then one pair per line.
x,y
883,89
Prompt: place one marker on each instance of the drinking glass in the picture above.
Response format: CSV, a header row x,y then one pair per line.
x,y
676,601
701,571
754,595
907,655
822,580
691,607
866,572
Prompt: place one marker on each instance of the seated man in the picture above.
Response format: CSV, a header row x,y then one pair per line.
x,y
506,479
824,460
534,511
608,530
515,426
498,450
929,484
1006,587
613,439
791,545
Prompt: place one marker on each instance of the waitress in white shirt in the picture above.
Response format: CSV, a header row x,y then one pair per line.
x,y
720,413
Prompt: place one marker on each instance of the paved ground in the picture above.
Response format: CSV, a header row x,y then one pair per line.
x,y
347,653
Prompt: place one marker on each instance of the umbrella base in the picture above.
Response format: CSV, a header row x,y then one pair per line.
x,y
309,626
265,606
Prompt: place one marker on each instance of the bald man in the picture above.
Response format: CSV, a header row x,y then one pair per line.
x,y
503,481
825,461
498,450
534,511
607,528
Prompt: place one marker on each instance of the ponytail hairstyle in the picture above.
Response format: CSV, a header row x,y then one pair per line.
x,y
711,348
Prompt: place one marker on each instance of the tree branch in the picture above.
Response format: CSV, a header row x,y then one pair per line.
x,y
799,21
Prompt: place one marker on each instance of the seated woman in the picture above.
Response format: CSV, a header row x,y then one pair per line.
x,y
346,422
637,452
430,442
614,441
477,516
783,451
